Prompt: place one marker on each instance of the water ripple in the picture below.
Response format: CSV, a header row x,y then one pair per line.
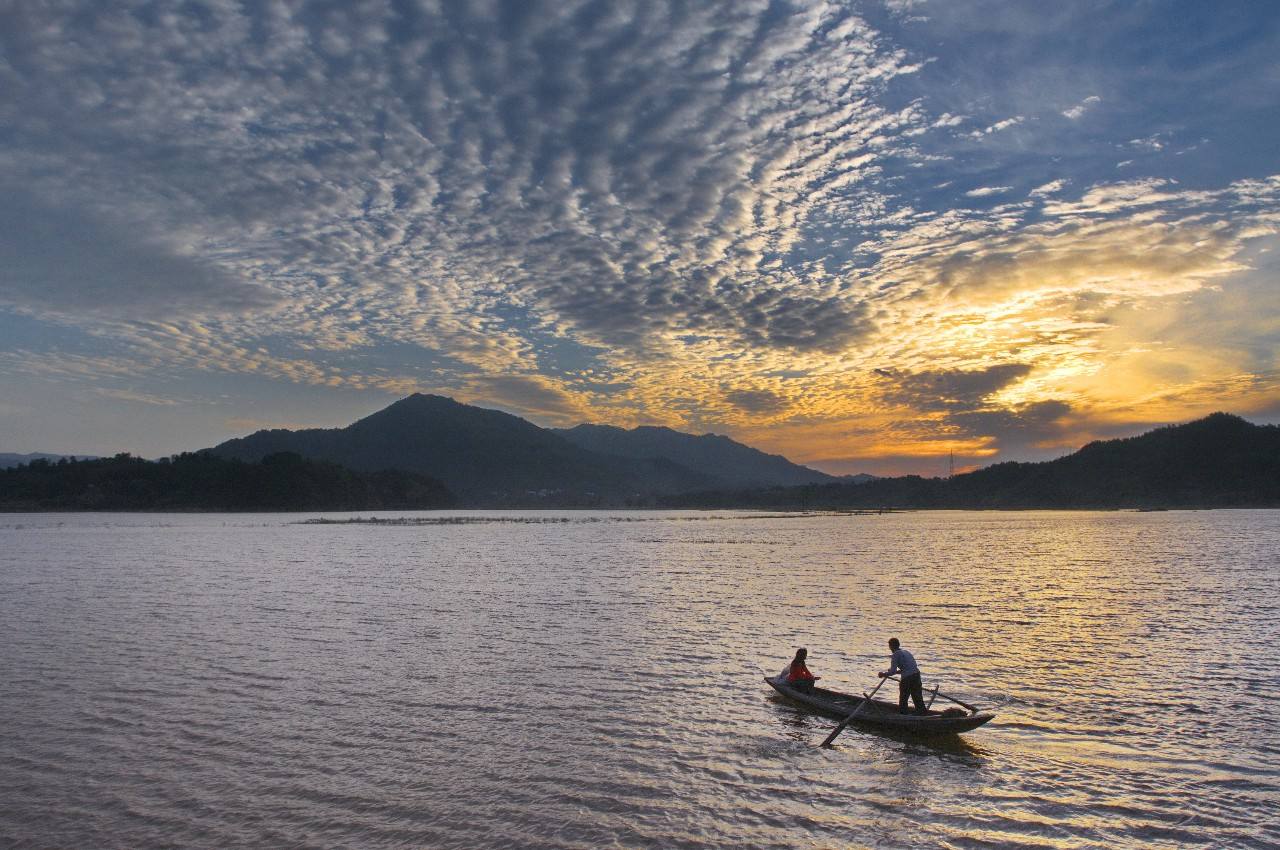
x,y
578,680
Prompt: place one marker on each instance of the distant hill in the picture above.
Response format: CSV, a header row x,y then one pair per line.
x,y
203,482
732,463
429,450
485,456
1218,461
8,459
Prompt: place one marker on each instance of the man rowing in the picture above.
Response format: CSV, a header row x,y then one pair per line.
x,y
909,684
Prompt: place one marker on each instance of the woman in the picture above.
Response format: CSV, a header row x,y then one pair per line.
x,y
798,675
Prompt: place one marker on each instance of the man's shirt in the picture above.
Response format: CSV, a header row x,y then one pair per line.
x,y
903,662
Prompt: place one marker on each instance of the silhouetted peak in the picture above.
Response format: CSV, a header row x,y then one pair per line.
x,y
1219,424
439,410
589,428
1220,420
663,431
424,401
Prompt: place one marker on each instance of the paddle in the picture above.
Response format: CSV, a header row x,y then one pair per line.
x,y
947,697
843,723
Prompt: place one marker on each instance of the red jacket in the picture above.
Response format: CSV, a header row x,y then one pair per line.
x,y
799,673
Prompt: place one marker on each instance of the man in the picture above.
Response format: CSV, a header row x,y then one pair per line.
x,y
909,684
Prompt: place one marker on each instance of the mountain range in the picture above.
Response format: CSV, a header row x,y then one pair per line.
x,y
492,458
709,454
486,458
1218,461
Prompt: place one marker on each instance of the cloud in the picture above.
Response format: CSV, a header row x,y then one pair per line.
x,y
624,176
952,389
1152,143
527,395
1076,112
134,395
757,401
997,127
1116,197
1040,424
961,408
987,191
904,7
1051,188
640,212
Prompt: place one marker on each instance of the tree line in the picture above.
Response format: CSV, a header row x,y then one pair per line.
x,y
200,481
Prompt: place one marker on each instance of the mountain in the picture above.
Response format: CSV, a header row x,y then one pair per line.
x,y
485,456
203,482
1218,461
9,460
734,464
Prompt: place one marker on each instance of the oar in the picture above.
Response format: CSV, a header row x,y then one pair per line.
x,y
961,703
843,723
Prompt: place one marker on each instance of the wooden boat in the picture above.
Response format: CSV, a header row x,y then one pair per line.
x,y
884,714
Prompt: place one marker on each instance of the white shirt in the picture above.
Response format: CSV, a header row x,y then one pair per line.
x,y
903,661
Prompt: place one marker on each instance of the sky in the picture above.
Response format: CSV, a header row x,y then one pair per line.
x,y
866,235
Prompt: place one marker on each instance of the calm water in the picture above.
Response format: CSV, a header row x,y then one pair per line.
x,y
215,681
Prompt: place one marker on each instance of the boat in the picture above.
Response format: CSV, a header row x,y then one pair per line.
x,y
884,714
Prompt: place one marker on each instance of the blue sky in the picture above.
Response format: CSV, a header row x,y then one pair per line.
x,y
865,235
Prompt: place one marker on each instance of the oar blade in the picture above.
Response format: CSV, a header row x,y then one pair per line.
x,y
836,731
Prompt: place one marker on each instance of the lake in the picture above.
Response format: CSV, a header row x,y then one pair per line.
x,y
583,680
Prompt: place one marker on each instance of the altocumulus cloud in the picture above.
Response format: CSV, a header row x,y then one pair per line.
x,y
705,212
627,172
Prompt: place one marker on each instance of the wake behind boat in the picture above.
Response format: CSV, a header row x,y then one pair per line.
x,y
881,713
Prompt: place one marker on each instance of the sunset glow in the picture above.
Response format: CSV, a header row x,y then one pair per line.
x,y
866,236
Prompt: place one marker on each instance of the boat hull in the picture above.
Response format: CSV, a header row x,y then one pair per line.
x,y
879,713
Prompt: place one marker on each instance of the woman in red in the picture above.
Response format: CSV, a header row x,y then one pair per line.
x,y
798,675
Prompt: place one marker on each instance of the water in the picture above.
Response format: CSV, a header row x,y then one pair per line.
x,y
242,680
